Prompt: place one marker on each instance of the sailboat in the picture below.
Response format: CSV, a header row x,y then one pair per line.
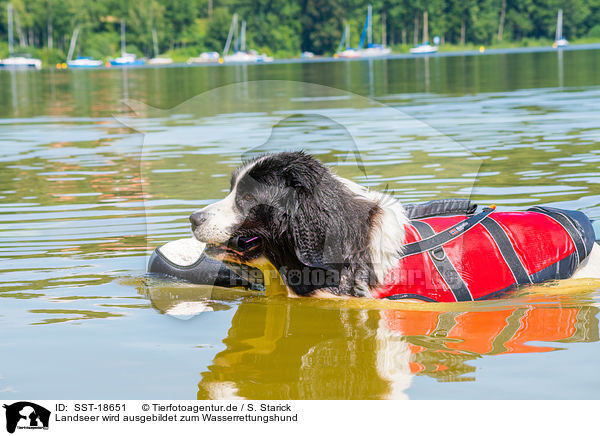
x,y
371,50
126,59
241,55
559,40
81,61
22,61
348,52
205,57
425,48
157,60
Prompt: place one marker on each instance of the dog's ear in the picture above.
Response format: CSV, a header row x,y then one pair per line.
x,y
308,238
305,174
313,242
302,181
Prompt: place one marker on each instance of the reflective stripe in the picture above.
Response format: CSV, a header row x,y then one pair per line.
x,y
443,265
568,225
507,250
447,235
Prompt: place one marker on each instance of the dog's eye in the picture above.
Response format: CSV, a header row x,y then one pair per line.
x,y
248,197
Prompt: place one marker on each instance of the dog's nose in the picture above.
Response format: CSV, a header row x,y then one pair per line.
x,y
197,218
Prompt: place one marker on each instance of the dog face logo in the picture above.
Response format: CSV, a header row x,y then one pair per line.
x,y
26,415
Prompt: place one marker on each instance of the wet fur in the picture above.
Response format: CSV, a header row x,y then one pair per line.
x,y
302,218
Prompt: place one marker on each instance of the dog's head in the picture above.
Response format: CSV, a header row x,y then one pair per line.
x,y
290,208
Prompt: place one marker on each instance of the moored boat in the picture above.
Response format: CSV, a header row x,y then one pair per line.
x,y
19,61
126,59
240,54
206,57
559,40
425,48
84,62
371,49
158,60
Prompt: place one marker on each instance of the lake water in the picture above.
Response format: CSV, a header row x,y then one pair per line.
x,y
97,168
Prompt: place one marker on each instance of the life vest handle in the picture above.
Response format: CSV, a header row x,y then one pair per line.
x,y
446,235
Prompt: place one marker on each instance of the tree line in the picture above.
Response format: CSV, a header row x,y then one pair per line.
x,y
282,27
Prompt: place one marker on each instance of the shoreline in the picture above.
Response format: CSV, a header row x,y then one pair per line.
x,y
392,56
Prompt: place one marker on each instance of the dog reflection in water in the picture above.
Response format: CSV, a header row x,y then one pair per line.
x,y
281,350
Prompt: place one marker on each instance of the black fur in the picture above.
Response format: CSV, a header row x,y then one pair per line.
x,y
313,228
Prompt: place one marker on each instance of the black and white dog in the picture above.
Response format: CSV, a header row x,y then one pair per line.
x,y
319,231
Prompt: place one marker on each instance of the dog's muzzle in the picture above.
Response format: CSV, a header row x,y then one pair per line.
x,y
197,219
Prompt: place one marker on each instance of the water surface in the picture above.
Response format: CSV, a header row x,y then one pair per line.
x,y
99,167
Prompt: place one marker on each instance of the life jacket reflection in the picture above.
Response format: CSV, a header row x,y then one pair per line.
x,y
442,342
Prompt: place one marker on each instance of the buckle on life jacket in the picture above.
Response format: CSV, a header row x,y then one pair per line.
x,y
438,253
441,238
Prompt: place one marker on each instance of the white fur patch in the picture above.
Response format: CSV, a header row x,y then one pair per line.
x,y
221,221
590,267
393,361
387,235
222,217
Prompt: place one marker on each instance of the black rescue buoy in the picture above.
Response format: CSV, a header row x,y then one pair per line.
x,y
185,259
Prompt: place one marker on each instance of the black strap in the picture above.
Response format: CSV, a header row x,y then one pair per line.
x,y
444,236
507,250
453,206
568,225
443,265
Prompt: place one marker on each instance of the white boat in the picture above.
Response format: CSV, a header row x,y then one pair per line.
x,y
22,61
349,53
210,56
157,60
126,59
425,48
559,40
371,50
84,62
81,61
241,55
160,61
247,56
374,50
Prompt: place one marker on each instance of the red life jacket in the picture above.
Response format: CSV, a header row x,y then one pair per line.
x,y
465,258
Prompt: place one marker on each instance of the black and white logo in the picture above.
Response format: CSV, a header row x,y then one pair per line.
x,y
26,415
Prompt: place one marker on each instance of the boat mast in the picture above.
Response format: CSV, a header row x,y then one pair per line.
x,y
559,25
366,31
347,35
155,42
122,37
10,29
370,28
73,42
425,28
230,35
383,34
243,37
345,40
